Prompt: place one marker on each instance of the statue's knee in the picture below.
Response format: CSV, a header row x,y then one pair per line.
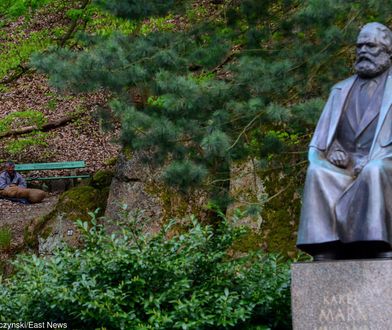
x,y
373,168
314,169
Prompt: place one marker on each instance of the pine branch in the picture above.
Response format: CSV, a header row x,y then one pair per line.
x,y
245,130
277,194
324,49
226,60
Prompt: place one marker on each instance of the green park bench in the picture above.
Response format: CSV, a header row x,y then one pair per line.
x,y
53,166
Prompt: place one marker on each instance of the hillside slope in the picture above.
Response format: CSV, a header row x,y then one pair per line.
x,y
27,100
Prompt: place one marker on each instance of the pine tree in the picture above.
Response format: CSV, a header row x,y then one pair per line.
x,y
220,88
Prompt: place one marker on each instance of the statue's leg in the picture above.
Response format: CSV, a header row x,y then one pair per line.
x,y
364,210
323,187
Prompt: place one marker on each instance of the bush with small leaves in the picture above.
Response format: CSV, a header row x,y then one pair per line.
x,y
176,279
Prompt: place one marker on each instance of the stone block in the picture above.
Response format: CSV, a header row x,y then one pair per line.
x,y
342,295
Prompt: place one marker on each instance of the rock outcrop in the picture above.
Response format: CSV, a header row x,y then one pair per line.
x,y
130,192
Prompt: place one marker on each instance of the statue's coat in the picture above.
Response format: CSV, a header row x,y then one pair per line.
x,y
338,206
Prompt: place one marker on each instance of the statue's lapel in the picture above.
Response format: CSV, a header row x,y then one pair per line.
x,y
338,106
368,117
385,106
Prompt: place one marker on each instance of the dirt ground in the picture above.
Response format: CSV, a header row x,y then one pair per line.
x,y
16,216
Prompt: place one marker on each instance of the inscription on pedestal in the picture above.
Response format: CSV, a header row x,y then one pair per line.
x,y
342,295
343,307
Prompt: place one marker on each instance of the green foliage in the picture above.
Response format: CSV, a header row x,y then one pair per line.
x,y
216,144
52,104
104,23
158,24
22,119
26,141
194,14
128,280
16,8
132,9
184,174
14,54
308,113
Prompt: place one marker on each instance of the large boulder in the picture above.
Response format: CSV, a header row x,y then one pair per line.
x,y
247,192
131,191
137,189
58,227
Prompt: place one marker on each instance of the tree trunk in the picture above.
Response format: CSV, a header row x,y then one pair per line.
x,y
46,127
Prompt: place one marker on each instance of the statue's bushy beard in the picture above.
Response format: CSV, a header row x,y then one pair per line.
x,y
368,66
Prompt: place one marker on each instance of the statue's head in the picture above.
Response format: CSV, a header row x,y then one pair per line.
x,y
374,50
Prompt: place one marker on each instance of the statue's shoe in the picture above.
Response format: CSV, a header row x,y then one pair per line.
x,y
326,256
383,255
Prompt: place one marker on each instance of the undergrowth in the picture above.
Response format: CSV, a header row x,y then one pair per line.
x,y
132,280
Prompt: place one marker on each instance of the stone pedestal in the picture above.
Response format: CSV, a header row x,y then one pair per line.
x,y
342,295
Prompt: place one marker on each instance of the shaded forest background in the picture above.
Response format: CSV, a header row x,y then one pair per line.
x,y
211,91
202,86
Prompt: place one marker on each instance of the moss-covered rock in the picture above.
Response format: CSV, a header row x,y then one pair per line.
x,y
281,213
59,226
250,241
111,161
102,179
177,205
31,231
77,202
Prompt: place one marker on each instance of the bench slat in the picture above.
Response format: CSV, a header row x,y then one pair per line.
x,y
50,166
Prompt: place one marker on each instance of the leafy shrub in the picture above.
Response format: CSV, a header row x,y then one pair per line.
x,y
130,280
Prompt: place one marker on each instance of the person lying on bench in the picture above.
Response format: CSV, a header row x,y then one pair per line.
x,y
13,187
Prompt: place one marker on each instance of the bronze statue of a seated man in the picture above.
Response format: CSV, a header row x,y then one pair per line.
x,y
347,204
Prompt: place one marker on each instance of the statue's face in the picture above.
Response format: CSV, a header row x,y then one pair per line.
x,y
372,56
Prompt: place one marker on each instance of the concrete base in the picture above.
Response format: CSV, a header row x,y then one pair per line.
x,y
342,295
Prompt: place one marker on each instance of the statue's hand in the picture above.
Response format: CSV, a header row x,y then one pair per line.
x,y
359,165
339,158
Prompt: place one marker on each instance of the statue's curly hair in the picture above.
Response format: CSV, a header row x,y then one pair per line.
x,y
385,34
